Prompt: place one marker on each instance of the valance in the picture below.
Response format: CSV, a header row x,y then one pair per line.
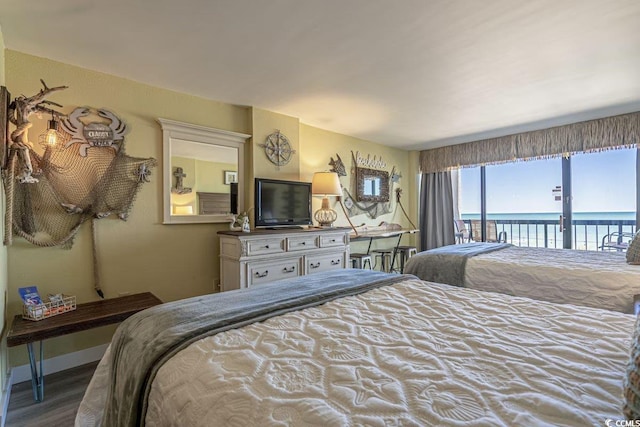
x,y
593,135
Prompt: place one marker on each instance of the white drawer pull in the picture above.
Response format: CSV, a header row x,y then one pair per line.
x,y
316,265
335,261
289,270
265,274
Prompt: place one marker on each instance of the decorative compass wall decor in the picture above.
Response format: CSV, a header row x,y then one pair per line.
x,y
278,149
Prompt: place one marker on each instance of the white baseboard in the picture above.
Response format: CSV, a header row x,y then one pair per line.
x,y
59,363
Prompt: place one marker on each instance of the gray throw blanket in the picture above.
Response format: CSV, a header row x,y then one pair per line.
x,y
147,339
447,263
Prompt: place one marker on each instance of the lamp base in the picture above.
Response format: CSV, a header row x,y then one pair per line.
x,y
325,217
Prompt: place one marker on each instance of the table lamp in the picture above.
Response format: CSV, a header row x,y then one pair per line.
x,y
325,184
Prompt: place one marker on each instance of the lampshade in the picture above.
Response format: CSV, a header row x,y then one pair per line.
x,y
183,210
326,184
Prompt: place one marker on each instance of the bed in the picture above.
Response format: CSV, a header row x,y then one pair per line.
x,y
366,348
587,278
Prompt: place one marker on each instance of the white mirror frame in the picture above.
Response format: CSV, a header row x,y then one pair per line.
x,y
172,129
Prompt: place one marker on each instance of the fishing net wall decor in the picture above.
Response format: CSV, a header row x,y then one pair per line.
x,y
86,176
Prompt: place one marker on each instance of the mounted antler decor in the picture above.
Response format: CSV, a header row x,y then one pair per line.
x,y
86,175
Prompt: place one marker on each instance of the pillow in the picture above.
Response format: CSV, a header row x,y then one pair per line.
x,y
633,251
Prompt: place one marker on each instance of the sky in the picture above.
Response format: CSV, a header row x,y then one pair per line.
x,y
602,182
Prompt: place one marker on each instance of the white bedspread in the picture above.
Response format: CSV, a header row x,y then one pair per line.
x,y
593,279
412,354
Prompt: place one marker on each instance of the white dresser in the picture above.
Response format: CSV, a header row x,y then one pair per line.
x,y
248,259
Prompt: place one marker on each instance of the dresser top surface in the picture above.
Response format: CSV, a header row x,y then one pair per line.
x,y
265,232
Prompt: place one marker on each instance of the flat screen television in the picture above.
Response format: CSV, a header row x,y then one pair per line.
x,y
282,203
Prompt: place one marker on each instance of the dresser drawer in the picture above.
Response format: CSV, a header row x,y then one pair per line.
x,y
302,243
265,272
316,264
330,240
265,246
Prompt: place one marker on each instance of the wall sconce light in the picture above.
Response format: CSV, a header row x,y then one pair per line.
x,y
183,210
325,184
51,137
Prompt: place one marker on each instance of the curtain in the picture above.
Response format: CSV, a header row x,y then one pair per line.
x,y
593,135
436,211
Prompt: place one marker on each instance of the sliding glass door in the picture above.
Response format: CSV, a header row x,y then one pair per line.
x,y
524,200
604,188
572,202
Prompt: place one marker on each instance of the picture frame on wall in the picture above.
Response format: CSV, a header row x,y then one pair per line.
x,y
4,126
230,177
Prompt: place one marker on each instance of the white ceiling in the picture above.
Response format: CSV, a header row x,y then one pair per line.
x,y
406,73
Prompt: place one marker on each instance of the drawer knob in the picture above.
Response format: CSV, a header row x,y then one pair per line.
x,y
266,246
289,270
303,243
333,240
315,265
265,274
335,261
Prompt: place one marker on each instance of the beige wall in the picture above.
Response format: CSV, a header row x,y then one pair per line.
x,y
172,261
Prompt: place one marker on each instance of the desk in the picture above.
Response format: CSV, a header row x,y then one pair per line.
x,y
85,316
383,234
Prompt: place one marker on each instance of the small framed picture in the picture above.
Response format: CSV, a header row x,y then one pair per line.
x,y
230,176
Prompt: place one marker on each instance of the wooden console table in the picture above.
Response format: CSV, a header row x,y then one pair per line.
x,y
85,316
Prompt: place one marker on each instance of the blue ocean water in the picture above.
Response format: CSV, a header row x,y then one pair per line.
x,y
555,215
585,237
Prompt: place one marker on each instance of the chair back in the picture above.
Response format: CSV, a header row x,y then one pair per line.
x,y
491,231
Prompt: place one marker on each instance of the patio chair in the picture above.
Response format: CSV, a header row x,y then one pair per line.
x,y
616,241
462,233
491,233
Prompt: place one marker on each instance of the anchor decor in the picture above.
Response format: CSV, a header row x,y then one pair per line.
x,y
180,188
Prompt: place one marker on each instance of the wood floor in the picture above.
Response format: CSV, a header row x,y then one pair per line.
x,y
63,392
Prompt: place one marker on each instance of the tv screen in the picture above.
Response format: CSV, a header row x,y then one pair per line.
x,y
282,203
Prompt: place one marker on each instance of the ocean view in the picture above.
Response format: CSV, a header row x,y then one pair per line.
x,y
554,216
585,236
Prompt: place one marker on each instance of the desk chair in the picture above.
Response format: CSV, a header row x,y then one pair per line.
x,y
403,253
359,260
386,257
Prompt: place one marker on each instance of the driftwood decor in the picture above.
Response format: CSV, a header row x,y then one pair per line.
x,y
19,111
4,126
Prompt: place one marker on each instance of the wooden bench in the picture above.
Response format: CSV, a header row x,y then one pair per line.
x,y
86,316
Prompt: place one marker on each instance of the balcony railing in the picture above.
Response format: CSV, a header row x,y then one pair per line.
x,y
587,234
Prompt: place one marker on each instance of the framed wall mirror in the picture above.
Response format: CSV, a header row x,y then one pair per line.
x,y
202,173
372,185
